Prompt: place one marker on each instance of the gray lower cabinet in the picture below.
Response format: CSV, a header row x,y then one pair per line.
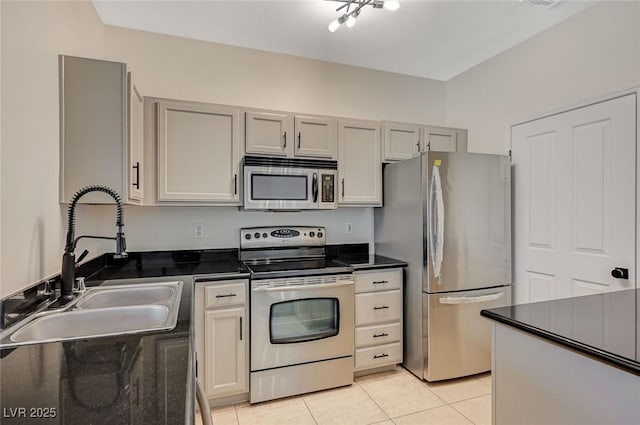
x,y
100,130
378,337
222,333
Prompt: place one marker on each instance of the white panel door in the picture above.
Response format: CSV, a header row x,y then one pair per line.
x,y
575,209
359,165
315,137
198,153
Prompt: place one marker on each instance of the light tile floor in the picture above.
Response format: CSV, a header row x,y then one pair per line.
x,y
387,398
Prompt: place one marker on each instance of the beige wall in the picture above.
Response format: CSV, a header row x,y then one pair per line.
x,y
587,56
180,68
32,221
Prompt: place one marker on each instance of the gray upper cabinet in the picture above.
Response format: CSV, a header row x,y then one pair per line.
x,y
268,133
403,140
359,165
100,130
198,152
288,135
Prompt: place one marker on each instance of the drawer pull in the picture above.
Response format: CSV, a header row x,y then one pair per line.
x,y
375,356
226,295
377,282
380,335
382,307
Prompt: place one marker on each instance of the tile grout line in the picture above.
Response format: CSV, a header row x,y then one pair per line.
x,y
308,409
462,414
376,403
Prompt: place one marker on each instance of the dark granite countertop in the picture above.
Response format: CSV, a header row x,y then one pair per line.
x,y
358,257
605,326
143,378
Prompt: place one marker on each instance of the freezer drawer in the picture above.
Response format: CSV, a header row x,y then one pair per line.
x,y
457,339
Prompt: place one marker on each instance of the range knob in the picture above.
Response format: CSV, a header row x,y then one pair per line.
x,y
312,234
247,236
319,234
256,235
264,235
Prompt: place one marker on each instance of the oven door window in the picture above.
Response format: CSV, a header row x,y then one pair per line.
x,y
273,187
304,320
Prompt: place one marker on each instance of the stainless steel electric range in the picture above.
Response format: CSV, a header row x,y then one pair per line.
x,y
302,312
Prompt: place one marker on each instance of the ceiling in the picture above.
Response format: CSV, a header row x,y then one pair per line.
x,y
431,39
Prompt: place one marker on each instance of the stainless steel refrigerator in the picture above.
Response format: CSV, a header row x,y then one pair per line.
x,y
448,215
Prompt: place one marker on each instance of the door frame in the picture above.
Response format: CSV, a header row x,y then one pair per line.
x,y
635,90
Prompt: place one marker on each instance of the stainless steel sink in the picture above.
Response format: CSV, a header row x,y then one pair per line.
x,y
102,311
127,295
92,323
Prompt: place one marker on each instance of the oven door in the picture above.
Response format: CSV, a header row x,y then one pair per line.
x,y
294,323
280,188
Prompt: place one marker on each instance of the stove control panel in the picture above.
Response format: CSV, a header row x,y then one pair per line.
x,y
284,236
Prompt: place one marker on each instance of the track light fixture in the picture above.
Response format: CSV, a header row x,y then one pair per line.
x,y
350,16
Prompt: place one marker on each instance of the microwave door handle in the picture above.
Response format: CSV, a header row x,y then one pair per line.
x,y
314,187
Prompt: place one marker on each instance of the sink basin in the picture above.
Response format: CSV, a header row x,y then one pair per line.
x,y
102,311
79,324
115,296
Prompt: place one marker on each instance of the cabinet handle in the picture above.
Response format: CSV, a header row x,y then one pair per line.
x,y
380,335
299,137
225,295
418,145
380,356
382,307
376,282
240,328
137,182
235,184
342,188
285,140
429,146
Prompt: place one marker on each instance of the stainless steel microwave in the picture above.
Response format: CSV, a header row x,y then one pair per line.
x,y
289,183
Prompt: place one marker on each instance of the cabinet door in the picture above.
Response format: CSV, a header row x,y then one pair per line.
x,y
359,165
439,139
225,332
315,136
268,133
135,152
198,152
400,141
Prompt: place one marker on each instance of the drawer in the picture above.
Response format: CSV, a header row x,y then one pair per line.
x,y
225,294
378,280
378,307
378,334
380,355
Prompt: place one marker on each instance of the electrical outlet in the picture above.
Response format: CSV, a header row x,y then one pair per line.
x,y
348,227
198,230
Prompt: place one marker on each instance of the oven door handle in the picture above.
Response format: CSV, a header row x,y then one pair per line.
x,y
274,288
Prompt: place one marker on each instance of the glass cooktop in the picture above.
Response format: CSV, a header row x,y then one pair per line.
x,y
295,267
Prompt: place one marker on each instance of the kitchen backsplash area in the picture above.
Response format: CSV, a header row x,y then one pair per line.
x,y
162,228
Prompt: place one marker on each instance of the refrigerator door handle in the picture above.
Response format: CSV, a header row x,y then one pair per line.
x,y
470,300
436,238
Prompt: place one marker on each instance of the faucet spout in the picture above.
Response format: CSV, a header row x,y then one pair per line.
x,y
67,277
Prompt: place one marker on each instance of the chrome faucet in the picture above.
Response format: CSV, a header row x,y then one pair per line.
x,y
69,261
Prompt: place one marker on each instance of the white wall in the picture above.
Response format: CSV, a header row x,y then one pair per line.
x,y
32,221
587,56
180,68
